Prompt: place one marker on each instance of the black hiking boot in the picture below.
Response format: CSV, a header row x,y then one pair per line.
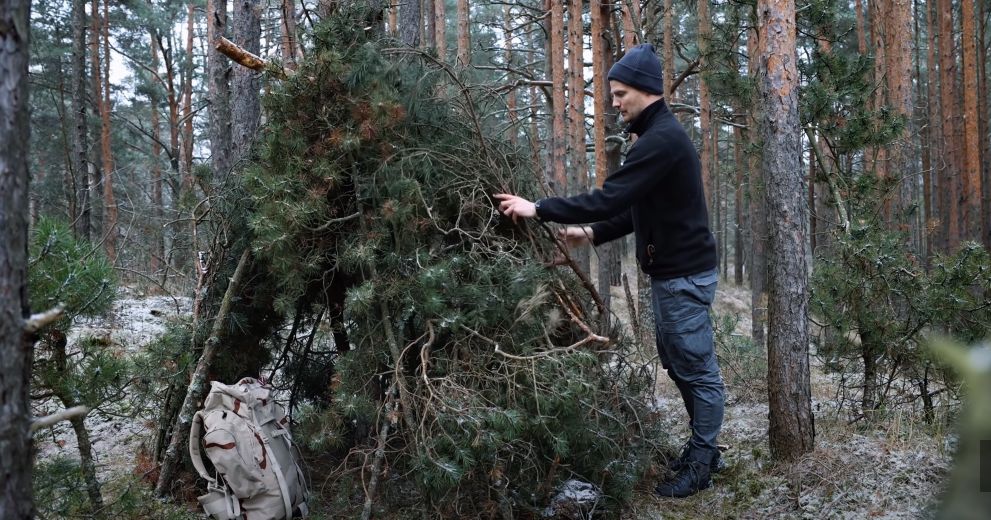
x,y
692,478
716,466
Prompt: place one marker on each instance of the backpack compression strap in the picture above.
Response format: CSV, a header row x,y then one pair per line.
x,y
195,453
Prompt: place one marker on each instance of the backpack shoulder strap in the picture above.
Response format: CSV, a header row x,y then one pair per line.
x,y
195,453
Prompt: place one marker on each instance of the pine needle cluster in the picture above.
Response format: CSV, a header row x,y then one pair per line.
x,y
470,363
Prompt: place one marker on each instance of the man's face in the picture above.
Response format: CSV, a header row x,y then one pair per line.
x,y
627,99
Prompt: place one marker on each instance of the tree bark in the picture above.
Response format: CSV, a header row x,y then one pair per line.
x,y
898,54
464,38
109,204
950,189
198,382
15,345
287,27
971,173
155,229
440,26
219,71
79,203
600,88
791,430
928,121
740,214
410,22
982,128
508,22
758,217
555,59
245,100
705,108
576,112
668,45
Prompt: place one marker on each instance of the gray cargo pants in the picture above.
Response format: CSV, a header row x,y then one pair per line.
x,y
685,345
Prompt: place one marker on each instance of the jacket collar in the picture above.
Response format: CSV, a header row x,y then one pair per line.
x,y
647,117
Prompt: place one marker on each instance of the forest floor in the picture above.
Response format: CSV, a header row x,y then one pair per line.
x,y
892,467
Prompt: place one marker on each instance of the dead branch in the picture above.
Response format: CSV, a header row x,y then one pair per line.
x,y
55,418
38,321
247,59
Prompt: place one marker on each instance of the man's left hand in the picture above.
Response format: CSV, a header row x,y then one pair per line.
x,y
516,207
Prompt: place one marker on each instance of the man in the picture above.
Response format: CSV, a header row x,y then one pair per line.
x,y
657,195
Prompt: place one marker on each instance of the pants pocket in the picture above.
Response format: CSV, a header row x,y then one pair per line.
x,y
689,346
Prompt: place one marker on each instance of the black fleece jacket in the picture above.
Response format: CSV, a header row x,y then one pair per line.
x,y
656,194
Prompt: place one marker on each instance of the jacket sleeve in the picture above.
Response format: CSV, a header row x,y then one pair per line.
x,y
608,230
648,160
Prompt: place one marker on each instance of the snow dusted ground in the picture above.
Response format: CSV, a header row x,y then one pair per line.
x,y
134,321
892,470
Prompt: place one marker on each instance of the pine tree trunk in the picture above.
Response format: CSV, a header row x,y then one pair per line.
x,y
950,189
971,173
878,156
430,29
668,50
600,88
982,129
219,71
791,430
245,100
559,108
393,20
740,163
109,204
440,26
861,28
758,217
157,252
79,202
705,108
464,38
510,76
898,54
576,112
926,120
287,28
96,97
15,347
410,22
630,36
198,382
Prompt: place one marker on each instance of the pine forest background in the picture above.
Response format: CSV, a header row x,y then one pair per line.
x,y
312,204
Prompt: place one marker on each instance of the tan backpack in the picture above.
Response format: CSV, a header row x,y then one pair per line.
x,y
245,435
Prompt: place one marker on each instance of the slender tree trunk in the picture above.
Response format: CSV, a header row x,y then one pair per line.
x,y
510,76
96,98
16,501
198,382
861,28
878,157
410,22
705,108
791,430
898,54
740,162
464,38
668,50
950,191
576,111
758,216
393,19
429,40
109,204
219,71
79,203
440,26
600,89
924,119
982,130
155,230
287,28
971,172
630,36
245,100
559,109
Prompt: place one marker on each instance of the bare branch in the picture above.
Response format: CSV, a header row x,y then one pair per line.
x,y
55,418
